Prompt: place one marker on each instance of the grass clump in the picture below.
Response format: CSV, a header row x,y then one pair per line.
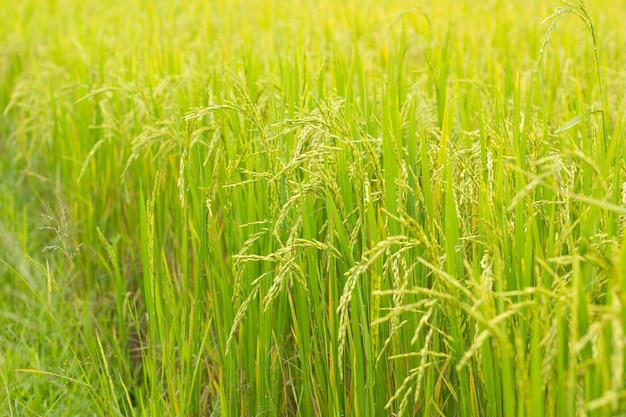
x,y
322,208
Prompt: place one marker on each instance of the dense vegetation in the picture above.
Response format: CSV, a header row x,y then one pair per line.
x,y
312,208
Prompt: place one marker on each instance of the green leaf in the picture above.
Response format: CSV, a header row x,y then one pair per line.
x,y
576,120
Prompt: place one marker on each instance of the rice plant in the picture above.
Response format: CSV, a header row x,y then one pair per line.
x,y
270,208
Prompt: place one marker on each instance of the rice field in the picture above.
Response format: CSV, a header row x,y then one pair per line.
x,y
312,208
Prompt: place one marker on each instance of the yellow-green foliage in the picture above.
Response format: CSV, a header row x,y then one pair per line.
x,y
312,208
